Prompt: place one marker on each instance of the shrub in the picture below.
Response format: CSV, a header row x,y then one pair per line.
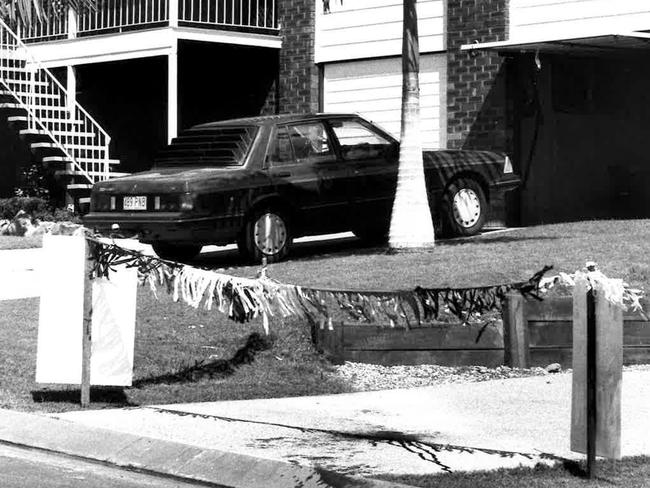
x,y
37,207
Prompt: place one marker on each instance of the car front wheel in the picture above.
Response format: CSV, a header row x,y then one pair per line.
x,y
465,206
176,252
267,234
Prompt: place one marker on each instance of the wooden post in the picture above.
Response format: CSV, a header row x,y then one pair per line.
x,y
591,384
597,375
330,341
86,344
515,332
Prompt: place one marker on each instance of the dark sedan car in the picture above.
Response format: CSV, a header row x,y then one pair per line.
x,y
260,182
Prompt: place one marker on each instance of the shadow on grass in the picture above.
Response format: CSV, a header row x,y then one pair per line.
x,y
351,246
501,239
218,368
113,396
575,468
304,251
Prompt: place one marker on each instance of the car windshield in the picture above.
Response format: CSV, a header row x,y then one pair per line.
x,y
208,146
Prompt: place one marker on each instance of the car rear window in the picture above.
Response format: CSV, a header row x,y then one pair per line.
x,y
208,146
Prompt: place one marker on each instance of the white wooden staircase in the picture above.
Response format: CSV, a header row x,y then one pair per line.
x,y
60,132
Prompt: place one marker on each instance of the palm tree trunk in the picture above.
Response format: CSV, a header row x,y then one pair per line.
x,y
411,225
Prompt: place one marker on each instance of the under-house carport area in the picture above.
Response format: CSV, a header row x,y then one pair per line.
x,y
215,82
580,117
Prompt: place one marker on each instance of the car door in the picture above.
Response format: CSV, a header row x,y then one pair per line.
x,y
372,159
306,172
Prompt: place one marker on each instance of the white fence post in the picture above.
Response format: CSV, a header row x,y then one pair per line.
x,y
173,13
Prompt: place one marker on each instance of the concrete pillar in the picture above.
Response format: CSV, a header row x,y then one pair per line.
x,y
172,92
71,88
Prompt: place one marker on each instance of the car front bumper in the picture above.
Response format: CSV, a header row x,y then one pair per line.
x,y
170,227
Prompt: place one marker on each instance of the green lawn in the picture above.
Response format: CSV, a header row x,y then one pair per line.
x,y
170,337
15,242
631,472
620,247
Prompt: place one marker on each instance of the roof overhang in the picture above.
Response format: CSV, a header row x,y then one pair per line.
x,y
595,44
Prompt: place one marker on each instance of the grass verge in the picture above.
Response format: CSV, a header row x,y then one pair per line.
x,y
170,337
632,472
15,242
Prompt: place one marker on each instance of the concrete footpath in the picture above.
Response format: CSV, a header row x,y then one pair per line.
x,y
304,441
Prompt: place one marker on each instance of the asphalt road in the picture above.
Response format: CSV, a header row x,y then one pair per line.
x,y
26,468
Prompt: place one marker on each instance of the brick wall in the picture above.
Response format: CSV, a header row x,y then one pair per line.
x,y
477,107
296,88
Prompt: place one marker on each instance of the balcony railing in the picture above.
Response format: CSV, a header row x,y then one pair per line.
x,y
124,15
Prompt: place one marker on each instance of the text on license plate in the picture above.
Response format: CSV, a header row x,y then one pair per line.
x,y
135,203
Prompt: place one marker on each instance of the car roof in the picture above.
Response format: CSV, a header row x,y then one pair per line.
x,y
264,120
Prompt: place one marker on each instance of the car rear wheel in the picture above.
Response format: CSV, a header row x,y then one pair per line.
x,y
176,252
267,234
465,207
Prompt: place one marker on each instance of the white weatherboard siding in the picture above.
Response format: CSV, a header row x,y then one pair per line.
x,y
357,29
535,19
373,88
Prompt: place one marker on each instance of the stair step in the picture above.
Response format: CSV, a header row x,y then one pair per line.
x,y
41,132
15,69
70,171
45,120
25,94
64,159
76,172
52,145
50,108
79,186
10,82
12,105
91,160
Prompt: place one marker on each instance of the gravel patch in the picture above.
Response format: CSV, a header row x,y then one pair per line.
x,y
369,377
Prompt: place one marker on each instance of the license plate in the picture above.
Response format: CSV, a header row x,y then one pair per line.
x,y
135,203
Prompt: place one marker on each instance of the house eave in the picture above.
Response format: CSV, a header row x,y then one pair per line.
x,y
138,44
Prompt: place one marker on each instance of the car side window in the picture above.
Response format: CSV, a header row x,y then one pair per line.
x,y
310,142
280,151
358,141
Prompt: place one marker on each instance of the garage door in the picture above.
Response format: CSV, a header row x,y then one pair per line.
x,y
373,88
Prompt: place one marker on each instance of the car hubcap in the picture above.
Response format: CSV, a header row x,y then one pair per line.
x,y
467,207
270,234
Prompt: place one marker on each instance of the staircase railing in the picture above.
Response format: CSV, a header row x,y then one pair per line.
x,y
51,110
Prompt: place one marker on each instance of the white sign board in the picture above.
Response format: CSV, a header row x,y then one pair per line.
x,y
59,350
